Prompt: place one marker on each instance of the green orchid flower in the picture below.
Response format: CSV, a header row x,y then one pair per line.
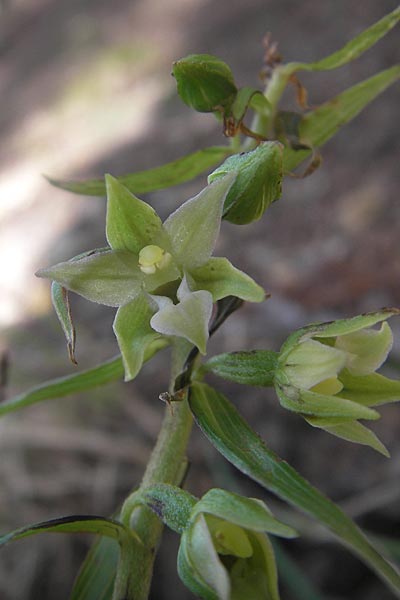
x,y
161,276
225,553
327,373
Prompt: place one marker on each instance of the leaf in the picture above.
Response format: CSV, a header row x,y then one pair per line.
x,y
78,382
319,125
111,278
219,277
131,223
60,301
256,367
234,439
172,173
133,332
95,580
193,228
353,49
73,524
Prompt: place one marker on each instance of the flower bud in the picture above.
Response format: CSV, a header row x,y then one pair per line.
x,y
204,82
326,372
257,185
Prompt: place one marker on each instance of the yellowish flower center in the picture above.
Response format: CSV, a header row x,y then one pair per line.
x,y
328,387
152,258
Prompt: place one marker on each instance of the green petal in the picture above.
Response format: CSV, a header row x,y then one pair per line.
x,y
133,332
131,223
366,349
311,362
188,319
318,405
370,390
111,278
193,228
351,431
219,277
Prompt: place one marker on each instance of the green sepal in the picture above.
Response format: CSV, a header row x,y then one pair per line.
x,y
112,278
60,301
198,564
165,176
235,439
248,513
352,431
219,277
204,82
193,228
133,332
256,367
257,185
369,390
171,504
305,403
131,223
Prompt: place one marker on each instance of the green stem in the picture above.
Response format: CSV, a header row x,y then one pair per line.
x,y
166,465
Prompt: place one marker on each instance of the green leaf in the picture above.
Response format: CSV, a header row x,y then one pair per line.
x,y
257,185
133,332
204,82
193,228
95,580
219,277
60,301
78,382
256,367
234,438
172,173
188,319
369,390
248,513
131,223
111,278
73,524
352,49
319,125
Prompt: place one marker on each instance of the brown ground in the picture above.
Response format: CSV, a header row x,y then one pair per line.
x,y
86,90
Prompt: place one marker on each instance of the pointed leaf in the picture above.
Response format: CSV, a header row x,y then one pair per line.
x,y
319,125
131,223
78,382
352,49
133,332
188,319
172,173
60,301
219,277
73,524
193,228
95,580
248,513
256,367
234,438
112,278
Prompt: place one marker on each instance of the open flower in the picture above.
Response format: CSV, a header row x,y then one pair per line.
x,y
326,372
225,553
161,276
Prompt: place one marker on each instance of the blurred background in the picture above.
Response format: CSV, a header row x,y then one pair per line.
x,y
86,89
